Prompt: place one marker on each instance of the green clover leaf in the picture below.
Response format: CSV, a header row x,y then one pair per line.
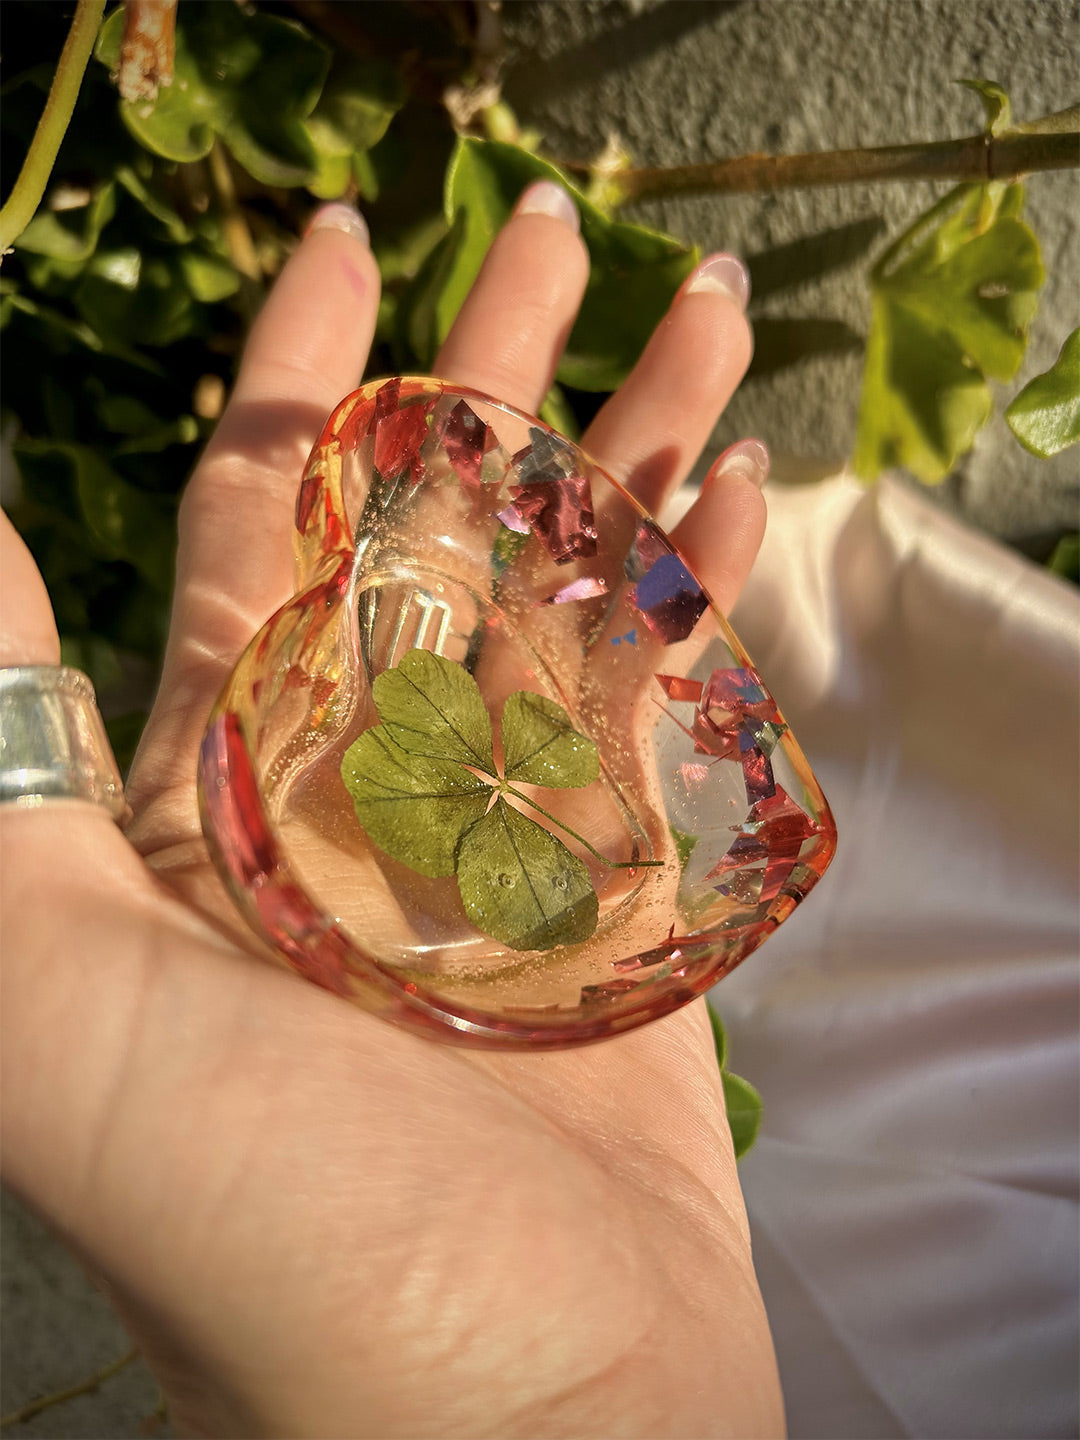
x,y
541,748
414,808
430,706
521,885
416,792
1045,416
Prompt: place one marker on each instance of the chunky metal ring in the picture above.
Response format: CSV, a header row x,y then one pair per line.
x,y
53,744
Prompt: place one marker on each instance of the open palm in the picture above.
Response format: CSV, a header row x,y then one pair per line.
x,y
314,1224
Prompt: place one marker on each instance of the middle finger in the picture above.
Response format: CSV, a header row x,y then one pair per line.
x,y
651,431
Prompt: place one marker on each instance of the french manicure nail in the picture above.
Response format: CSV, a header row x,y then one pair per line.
x,y
749,459
545,197
722,275
339,216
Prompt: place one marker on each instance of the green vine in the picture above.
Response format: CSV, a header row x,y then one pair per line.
x,y
25,197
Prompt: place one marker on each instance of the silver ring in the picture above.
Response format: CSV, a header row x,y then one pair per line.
x,y
53,744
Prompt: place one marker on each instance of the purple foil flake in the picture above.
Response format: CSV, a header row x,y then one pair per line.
x,y
670,600
668,952
649,544
473,449
544,458
561,516
514,520
774,831
593,994
757,769
585,587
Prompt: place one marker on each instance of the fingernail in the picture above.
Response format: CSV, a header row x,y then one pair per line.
x,y
339,216
545,197
749,459
722,275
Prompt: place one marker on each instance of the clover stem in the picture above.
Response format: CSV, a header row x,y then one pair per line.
x,y
611,864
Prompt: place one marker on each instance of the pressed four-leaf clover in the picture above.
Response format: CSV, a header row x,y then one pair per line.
x,y
427,790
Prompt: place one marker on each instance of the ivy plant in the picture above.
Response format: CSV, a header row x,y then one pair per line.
x,y
952,299
1045,416
745,1110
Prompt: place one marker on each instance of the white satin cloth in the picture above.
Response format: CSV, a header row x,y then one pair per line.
x,y
913,1030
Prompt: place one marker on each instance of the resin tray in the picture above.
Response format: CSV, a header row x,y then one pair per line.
x,y
499,771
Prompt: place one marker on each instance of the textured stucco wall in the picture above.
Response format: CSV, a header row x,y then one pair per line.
x,y
683,80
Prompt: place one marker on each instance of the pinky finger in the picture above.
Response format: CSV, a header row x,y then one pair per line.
x,y
719,536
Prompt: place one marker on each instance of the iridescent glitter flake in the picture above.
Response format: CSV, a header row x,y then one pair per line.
x,y
773,832
553,498
473,451
736,719
669,599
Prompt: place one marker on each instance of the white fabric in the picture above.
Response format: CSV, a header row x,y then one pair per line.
x,y
913,1196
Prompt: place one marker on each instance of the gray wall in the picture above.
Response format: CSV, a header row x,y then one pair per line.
x,y
682,80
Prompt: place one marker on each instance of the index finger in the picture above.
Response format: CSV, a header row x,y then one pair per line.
x,y
307,349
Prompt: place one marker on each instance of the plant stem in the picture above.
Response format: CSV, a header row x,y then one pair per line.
x,y
238,239
611,864
84,1387
975,157
26,194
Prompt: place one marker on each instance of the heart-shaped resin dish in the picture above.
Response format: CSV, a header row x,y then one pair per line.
x,y
499,771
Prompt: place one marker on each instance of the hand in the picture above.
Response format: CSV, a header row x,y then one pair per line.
x,y
312,1223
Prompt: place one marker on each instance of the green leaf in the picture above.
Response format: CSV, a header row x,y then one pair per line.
x,y
684,845
634,273
184,430
418,328
95,656
209,277
556,412
124,414
175,230
995,102
122,522
719,1037
952,299
921,405
744,1111
135,298
521,885
413,807
1065,561
1045,416
541,747
432,707
125,732
358,102
70,234
252,78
